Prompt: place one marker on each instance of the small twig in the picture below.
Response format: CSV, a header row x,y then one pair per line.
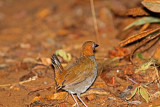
x,y
94,20
21,82
131,80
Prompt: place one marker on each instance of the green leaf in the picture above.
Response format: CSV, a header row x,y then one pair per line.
x,y
144,94
143,21
133,93
144,66
139,55
66,56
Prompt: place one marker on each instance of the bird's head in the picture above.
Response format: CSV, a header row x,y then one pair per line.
x,y
88,48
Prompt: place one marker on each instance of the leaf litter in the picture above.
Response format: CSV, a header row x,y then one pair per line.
x,y
26,67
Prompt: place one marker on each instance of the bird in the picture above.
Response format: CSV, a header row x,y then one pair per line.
x,y
80,75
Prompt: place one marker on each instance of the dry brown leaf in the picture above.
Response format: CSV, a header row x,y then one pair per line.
x,y
144,27
139,11
138,36
37,98
152,5
58,96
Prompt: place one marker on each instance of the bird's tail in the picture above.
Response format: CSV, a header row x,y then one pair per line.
x,y
59,71
56,63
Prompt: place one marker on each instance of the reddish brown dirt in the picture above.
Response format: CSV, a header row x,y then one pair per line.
x,y
35,29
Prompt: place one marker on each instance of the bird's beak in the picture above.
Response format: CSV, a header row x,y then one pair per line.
x,y
96,45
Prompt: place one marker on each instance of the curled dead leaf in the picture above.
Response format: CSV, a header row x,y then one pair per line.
x,y
139,36
132,94
152,5
66,56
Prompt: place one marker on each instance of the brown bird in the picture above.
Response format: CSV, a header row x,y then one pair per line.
x,y
79,76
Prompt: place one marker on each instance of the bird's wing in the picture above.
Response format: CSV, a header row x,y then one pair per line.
x,y
79,71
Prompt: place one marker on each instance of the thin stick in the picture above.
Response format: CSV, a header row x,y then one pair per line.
x,y
13,84
94,20
131,80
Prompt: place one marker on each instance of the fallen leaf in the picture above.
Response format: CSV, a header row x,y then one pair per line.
x,y
58,96
144,27
37,98
143,21
145,66
133,93
66,56
139,11
139,36
152,5
144,93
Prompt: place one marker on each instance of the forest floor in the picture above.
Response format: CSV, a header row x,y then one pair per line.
x,y
32,30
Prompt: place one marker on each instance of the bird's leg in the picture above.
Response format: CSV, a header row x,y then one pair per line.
x,y
78,95
75,100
